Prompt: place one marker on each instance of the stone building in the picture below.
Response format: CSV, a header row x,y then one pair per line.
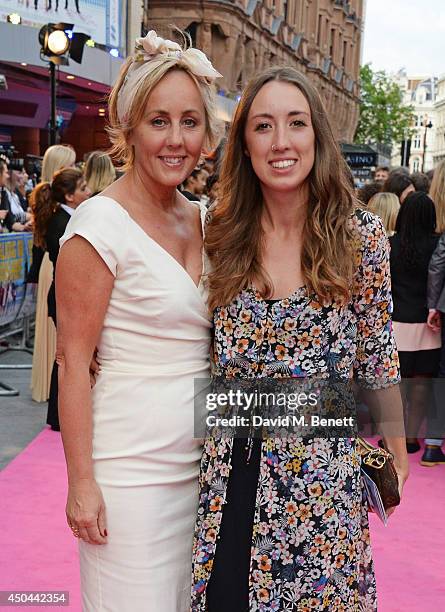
x,y
439,132
322,38
419,91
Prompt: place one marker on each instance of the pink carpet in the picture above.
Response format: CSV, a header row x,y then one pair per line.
x,y
39,553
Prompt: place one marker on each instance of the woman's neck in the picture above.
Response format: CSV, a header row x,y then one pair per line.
x,y
146,191
284,212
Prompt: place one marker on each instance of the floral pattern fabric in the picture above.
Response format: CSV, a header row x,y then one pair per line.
x,y
310,544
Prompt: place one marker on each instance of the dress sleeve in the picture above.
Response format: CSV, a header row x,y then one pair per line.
x,y
103,222
377,362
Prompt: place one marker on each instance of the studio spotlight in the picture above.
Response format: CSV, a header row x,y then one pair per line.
x,y
58,42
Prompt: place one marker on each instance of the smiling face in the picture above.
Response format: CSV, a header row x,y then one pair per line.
x,y
279,138
168,141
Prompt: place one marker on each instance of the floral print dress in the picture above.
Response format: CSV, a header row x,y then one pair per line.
x,y
310,547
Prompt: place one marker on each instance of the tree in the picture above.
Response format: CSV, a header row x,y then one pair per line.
x,y
384,118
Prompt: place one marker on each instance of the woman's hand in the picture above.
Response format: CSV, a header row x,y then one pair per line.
x,y
402,475
85,511
433,320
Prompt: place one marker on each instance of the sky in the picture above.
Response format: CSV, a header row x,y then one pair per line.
x,y
405,34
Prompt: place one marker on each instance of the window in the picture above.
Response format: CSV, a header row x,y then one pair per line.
x,y
332,43
286,10
320,25
345,51
417,141
416,164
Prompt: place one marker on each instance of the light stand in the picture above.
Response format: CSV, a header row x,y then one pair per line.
x,y
56,46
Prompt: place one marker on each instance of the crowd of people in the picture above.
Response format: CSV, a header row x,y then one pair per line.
x,y
266,264
412,208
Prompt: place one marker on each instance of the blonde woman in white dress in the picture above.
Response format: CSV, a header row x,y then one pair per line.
x,y
129,282
55,158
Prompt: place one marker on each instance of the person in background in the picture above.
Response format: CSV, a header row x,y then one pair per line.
x,y
381,174
419,347
4,209
212,188
437,194
386,206
433,454
430,175
12,215
53,204
99,172
18,184
55,158
400,183
194,185
421,181
365,193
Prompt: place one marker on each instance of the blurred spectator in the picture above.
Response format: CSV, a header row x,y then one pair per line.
x,y
55,158
381,174
12,216
194,185
22,188
399,170
18,179
212,188
99,172
421,181
437,194
399,183
419,347
365,193
53,204
386,206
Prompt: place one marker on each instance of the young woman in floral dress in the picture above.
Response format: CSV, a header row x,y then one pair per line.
x,y
299,287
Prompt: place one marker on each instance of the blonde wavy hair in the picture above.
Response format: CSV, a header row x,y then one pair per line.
x,y
386,206
234,234
56,157
119,131
437,194
99,171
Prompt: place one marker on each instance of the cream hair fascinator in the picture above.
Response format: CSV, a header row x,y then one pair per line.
x,y
150,48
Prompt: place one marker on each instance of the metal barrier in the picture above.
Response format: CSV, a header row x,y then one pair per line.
x,y
17,298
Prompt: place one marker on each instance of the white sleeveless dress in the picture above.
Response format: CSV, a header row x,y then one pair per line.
x,y
154,343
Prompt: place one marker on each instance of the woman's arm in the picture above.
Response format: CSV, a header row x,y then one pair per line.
x,y
84,284
377,362
386,408
436,274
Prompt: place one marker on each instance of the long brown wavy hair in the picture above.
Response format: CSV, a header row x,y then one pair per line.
x,y
47,197
234,234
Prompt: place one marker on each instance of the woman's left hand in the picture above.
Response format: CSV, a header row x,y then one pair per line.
x,y
402,475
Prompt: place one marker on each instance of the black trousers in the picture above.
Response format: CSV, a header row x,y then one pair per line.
x,y
228,588
52,417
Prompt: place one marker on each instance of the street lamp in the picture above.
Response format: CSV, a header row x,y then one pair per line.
x,y
428,125
56,44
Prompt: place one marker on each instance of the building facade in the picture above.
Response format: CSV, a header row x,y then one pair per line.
x,y
439,132
419,91
322,38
